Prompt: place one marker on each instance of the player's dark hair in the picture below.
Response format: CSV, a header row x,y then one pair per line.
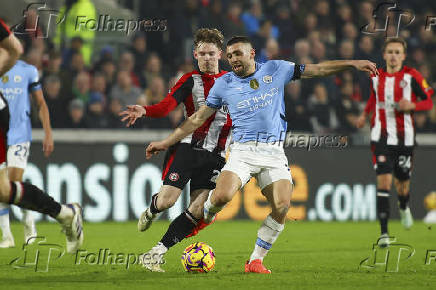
x,y
239,39
209,35
395,40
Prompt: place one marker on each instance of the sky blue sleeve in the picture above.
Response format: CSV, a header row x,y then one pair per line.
x,y
287,68
33,77
214,99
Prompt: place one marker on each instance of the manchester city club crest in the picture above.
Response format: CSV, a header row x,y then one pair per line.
x,y
254,84
267,79
17,78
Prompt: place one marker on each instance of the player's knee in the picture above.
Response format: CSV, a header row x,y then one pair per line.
x,y
281,206
196,210
222,197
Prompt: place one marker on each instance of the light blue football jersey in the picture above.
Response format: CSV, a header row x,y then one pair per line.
x,y
256,103
16,85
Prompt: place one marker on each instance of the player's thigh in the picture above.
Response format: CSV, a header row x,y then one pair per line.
x,y
207,169
383,160
279,195
167,196
15,174
177,167
227,185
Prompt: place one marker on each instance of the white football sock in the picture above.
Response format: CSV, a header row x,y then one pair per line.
x,y
65,214
27,217
266,236
4,221
210,210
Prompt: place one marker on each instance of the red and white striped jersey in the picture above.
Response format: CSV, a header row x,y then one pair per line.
x,y
192,89
387,123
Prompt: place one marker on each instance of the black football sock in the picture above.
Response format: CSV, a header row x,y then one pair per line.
x,y
404,201
28,196
153,207
179,229
383,209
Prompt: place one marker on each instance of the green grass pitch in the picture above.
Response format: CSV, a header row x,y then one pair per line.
x,y
307,255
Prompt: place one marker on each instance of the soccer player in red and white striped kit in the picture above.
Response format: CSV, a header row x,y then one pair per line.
x,y
197,158
396,93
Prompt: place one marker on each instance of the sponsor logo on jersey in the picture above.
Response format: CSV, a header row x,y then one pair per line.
x,y
17,78
267,79
174,176
254,84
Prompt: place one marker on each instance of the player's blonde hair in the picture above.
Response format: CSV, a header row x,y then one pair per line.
x,y
394,40
209,35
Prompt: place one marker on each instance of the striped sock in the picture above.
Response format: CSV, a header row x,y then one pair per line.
x,y
266,236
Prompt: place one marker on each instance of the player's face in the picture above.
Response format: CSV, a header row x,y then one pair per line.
x,y
207,55
240,57
394,54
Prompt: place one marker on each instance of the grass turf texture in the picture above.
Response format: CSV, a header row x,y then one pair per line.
x,y
307,255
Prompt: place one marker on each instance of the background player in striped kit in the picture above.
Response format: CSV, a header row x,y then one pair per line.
x,y
199,157
19,85
396,92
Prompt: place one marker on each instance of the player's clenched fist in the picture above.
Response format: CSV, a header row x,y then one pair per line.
x,y
155,148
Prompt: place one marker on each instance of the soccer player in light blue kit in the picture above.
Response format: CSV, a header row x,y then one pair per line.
x,y
254,95
17,85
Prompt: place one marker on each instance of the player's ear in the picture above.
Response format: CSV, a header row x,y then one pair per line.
x,y
252,53
220,53
194,52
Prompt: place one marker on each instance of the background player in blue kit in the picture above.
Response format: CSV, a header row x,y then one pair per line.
x,y
254,95
19,85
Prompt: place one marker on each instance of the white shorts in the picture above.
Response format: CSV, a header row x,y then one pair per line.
x,y
268,163
18,155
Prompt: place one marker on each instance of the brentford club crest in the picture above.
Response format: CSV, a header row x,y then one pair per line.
x,y
403,84
382,158
174,176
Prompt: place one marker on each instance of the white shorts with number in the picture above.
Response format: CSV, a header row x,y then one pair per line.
x,y
268,163
18,155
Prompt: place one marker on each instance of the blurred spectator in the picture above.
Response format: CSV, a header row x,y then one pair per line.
x,y
153,68
76,113
252,18
233,24
265,32
271,51
155,92
127,63
53,66
75,48
99,85
124,90
297,114
318,52
81,86
139,51
115,107
347,109
349,31
214,17
34,57
422,123
96,117
286,28
71,12
302,50
55,103
320,110
346,49
108,69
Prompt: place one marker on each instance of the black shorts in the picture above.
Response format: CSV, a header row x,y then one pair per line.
x,y
396,159
183,163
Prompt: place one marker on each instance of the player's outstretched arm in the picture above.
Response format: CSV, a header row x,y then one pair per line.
x,y
335,66
190,125
44,117
10,48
